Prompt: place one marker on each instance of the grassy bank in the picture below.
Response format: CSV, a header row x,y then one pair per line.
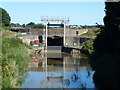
x,y
92,32
14,62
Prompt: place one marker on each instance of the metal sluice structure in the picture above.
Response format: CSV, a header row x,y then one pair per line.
x,y
63,20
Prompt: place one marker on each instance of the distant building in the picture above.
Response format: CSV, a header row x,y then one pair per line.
x,y
74,26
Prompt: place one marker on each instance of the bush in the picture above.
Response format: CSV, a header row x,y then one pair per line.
x,y
14,62
88,46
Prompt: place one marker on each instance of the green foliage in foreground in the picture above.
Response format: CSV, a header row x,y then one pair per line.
x,y
105,59
14,62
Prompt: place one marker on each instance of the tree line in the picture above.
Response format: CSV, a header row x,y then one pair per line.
x,y
29,25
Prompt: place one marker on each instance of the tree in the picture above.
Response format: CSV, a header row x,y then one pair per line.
x,y
23,25
88,46
15,25
31,24
105,59
4,17
39,26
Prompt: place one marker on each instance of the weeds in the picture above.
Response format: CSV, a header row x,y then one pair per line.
x,y
14,62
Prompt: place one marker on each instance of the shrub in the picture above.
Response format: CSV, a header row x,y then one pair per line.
x,y
14,62
88,46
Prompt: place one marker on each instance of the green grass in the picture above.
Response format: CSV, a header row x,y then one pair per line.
x,y
93,32
7,33
15,59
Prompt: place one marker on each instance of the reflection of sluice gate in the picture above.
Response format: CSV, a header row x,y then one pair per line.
x,y
58,63
65,76
63,81
56,79
53,77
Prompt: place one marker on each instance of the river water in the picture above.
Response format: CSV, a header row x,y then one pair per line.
x,y
59,70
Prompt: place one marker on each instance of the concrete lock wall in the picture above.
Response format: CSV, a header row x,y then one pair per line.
x,y
69,41
71,35
58,31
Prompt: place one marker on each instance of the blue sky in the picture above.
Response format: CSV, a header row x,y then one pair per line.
x,y
80,13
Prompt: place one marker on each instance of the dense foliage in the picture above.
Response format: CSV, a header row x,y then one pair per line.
x,y
29,25
88,46
105,59
33,25
15,25
4,17
14,62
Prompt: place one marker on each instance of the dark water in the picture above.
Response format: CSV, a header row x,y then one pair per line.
x,y
59,70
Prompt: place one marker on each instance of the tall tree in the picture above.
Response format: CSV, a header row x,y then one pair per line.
x,y
4,17
105,59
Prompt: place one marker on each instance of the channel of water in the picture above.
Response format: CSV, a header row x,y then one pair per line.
x,y
59,70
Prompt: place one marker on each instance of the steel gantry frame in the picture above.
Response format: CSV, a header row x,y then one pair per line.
x,y
64,19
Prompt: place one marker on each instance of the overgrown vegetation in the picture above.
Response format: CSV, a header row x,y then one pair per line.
x,y
14,56
7,34
88,46
14,62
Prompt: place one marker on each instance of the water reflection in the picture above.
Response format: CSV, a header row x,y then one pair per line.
x,y
59,70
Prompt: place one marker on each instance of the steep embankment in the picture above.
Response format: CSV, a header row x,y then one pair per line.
x,y
14,62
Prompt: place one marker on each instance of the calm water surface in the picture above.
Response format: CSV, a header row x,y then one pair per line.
x,y
59,70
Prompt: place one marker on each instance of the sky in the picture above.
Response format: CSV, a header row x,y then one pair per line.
x,y
80,13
